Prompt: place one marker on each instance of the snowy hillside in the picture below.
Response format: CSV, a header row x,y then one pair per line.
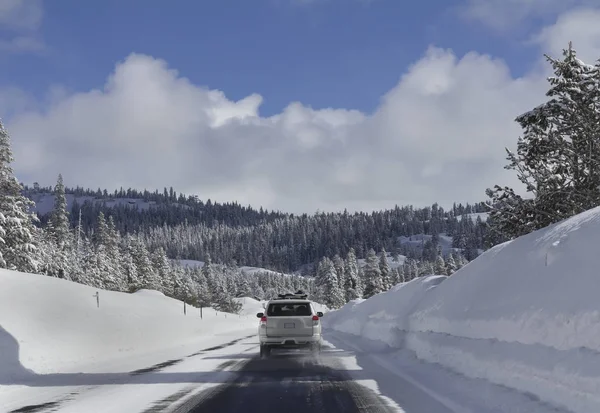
x,y
244,269
418,241
525,315
51,325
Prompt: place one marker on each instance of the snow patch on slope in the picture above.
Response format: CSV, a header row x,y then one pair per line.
x,y
524,314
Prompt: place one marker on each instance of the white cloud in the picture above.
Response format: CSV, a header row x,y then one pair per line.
x,y
506,14
438,135
21,44
20,14
581,26
20,21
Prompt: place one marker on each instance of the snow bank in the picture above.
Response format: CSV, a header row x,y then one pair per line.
x,y
525,314
50,325
250,306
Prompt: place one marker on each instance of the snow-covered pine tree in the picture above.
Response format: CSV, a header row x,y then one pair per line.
x,y
202,291
113,252
413,269
458,262
352,284
61,229
450,265
244,287
425,269
400,274
184,286
91,273
372,274
17,248
558,156
162,266
439,267
101,236
338,263
384,267
147,277
130,271
331,294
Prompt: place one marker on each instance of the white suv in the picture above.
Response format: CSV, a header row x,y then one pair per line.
x,y
290,322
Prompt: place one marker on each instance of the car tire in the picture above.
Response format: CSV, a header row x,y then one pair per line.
x,y
265,351
316,348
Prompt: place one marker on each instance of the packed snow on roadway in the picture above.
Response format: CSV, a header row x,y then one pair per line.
x,y
525,315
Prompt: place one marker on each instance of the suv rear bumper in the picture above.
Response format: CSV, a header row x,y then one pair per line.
x,y
290,341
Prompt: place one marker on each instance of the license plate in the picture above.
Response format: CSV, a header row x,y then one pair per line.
x,y
289,325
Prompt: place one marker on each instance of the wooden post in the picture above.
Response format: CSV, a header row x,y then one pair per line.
x,y
97,295
184,308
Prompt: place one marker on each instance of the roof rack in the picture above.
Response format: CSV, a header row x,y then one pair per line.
x,y
298,295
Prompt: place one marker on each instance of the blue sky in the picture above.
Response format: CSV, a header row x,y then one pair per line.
x,y
325,53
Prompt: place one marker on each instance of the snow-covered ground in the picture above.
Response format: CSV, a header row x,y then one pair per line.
x,y
53,326
524,315
59,326
413,386
251,306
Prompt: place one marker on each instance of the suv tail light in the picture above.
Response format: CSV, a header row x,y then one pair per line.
x,y
315,318
263,319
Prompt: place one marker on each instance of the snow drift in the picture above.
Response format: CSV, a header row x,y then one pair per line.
x,y
525,314
49,325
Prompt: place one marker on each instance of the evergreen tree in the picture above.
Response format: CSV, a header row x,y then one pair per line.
x,y
400,274
327,280
372,274
203,295
439,266
425,269
384,267
338,263
147,277
450,265
17,249
101,232
130,271
558,156
162,266
352,282
244,287
60,217
413,269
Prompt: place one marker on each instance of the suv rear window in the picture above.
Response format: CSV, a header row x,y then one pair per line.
x,y
289,309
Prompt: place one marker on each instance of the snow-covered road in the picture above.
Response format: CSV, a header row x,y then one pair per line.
x,y
349,376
